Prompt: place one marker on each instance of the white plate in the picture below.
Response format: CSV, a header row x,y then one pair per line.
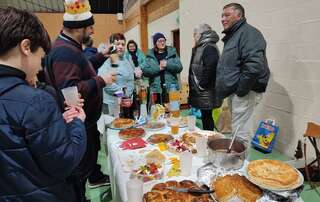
x,y
155,129
111,126
181,124
301,180
209,133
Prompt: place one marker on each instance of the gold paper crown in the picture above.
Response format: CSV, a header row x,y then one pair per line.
x,y
77,7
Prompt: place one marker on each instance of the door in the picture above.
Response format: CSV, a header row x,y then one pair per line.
x,y
176,40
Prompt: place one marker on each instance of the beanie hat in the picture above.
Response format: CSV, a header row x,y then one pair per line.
x,y
77,14
157,36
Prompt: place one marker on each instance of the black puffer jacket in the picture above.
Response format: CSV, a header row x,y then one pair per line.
x,y
202,71
243,64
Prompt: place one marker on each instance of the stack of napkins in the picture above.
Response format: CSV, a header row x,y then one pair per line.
x,y
134,143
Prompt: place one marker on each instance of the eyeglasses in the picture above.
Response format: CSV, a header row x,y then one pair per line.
x,y
161,41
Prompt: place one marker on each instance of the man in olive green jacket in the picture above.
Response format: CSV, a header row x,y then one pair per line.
x,y
162,64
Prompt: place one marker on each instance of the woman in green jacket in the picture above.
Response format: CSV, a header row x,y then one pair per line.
x,y
136,57
134,54
162,65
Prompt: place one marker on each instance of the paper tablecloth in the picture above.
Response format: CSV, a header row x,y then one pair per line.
x,y
119,172
118,160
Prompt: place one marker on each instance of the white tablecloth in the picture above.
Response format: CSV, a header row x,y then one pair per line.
x,y
119,171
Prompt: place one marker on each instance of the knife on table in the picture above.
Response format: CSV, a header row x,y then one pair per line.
x,y
191,190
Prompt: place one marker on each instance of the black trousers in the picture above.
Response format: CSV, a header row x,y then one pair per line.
x,y
207,119
88,167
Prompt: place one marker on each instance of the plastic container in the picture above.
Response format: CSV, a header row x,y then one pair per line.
x,y
146,174
70,95
265,136
174,97
134,190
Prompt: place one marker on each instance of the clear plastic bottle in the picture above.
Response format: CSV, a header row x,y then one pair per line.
x,y
143,95
174,97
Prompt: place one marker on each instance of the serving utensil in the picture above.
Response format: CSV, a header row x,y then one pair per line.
x,y
233,138
191,190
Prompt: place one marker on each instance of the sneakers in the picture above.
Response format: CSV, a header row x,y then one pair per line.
x,y
104,181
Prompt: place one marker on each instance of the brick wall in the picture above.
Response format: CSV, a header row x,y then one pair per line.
x,y
292,31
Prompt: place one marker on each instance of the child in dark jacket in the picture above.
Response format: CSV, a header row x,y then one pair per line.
x,y
39,146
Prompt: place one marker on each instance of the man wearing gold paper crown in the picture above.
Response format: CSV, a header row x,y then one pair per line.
x,y
68,66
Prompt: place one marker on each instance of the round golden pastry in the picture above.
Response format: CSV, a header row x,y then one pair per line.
x,y
159,193
273,174
130,133
190,137
159,137
230,186
122,123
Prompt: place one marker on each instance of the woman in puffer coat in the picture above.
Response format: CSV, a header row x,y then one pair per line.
x,y
202,73
162,65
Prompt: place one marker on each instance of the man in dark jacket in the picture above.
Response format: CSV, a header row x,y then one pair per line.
x,y
202,73
69,67
38,149
242,72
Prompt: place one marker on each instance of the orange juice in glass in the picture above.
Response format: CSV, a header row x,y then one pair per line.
x,y
175,114
174,124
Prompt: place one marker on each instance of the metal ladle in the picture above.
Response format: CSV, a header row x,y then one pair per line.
x,y
233,138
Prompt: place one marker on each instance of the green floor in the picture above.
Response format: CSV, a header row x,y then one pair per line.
x,y
100,194
103,194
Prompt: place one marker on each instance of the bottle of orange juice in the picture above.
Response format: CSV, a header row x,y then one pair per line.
x,y
174,97
143,94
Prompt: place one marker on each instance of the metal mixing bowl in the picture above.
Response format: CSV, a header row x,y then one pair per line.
x,y
219,157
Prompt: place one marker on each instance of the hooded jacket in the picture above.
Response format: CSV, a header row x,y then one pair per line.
x,y
202,71
243,64
38,150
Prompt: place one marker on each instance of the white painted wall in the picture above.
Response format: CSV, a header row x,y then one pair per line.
x,y
134,33
165,25
292,30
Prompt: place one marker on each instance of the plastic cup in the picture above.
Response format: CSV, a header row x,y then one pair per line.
x,y
143,110
134,190
70,95
186,163
114,58
174,124
201,145
191,123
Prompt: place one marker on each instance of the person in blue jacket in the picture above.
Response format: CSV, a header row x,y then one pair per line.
x,y
125,78
39,146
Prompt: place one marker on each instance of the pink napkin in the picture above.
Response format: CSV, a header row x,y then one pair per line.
x,y
134,143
